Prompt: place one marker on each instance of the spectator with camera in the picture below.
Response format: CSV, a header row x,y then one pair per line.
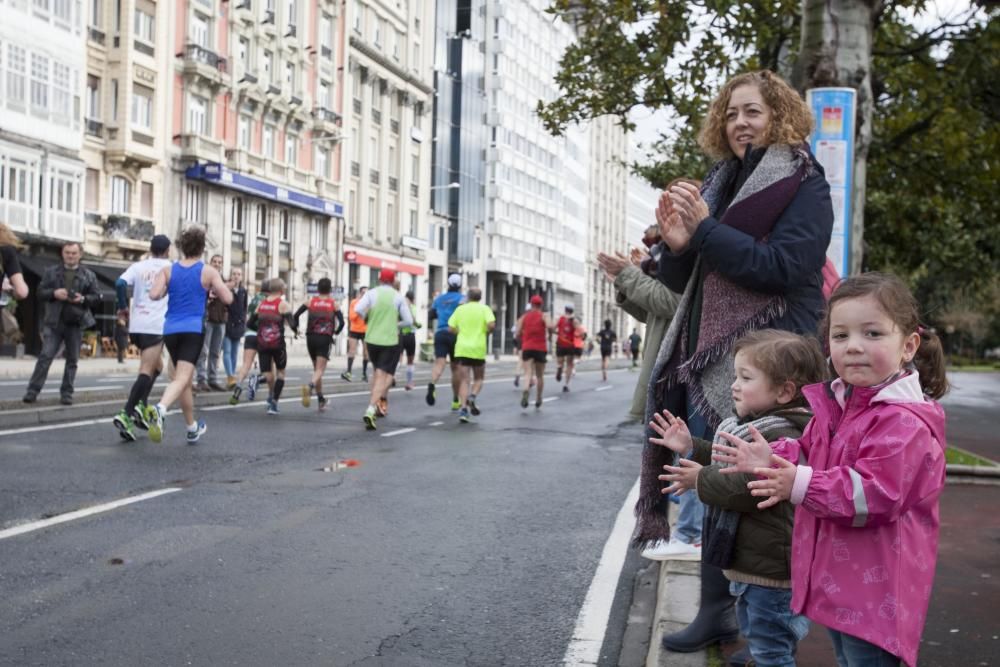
x,y
69,291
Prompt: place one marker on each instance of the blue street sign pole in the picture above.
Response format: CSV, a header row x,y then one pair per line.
x,y
832,143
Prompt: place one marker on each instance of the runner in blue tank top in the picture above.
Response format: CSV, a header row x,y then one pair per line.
x,y
444,340
187,282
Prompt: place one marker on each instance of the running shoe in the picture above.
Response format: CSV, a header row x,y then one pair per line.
x,y
369,419
517,380
473,407
565,388
322,403
124,425
364,377
559,374
345,376
199,429
307,395
463,416
139,416
235,398
431,393
524,398
455,405
538,404
155,420
252,385
409,386
272,407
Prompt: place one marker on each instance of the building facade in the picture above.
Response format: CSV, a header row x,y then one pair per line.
x,y
254,151
388,145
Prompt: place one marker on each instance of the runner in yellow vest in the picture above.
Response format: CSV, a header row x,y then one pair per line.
x,y
472,322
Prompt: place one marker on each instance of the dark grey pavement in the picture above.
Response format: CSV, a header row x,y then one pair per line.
x,y
449,545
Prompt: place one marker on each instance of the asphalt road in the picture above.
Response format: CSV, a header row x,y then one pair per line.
x,y
447,545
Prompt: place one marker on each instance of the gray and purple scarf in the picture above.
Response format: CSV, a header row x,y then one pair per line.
x,y
728,311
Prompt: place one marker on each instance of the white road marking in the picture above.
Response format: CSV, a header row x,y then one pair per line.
x,y
117,379
435,423
79,514
605,387
591,624
53,427
550,398
398,432
102,388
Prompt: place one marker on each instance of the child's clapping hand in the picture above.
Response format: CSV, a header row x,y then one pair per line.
x,y
742,456
673,432
684,477
778,483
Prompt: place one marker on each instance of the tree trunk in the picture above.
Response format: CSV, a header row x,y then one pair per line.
x,y
836,50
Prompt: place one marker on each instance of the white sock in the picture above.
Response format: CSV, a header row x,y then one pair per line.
x,y
409,373
161,408
193,426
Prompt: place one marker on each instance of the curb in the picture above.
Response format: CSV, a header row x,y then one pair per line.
x,y
676,606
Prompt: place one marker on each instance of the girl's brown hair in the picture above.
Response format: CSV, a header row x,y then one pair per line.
x,y
791,119
7,237
896,301
784,357
192,241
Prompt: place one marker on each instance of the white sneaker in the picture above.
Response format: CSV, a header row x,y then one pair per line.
x,y
673,550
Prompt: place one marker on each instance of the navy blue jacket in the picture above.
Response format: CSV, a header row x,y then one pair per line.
x,y
789,263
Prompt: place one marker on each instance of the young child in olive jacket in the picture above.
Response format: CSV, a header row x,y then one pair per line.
x,y
753,547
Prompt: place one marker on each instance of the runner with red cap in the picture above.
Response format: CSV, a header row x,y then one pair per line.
x,y
566,350
534,329
384,310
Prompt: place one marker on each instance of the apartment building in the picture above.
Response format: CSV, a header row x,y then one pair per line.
x,y
607,230
255,150
41,173
388,142
534,244
128,56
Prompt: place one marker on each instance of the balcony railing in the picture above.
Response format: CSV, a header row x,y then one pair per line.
x,y
200,54
94,128
291,31
96,35
414,190
355,169
295,101
326,52
394,126
356,105
326,115
373,176
376,116
394,184
273,89
143,47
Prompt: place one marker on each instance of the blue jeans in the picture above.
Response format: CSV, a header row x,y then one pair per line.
x,y
855,652
230,351
692,510
766,620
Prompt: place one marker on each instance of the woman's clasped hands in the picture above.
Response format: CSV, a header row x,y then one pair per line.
x,y
680,211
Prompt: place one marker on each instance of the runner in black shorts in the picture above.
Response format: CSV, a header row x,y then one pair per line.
x,y
184,347
607,338
408,340
325,321
271,315
145,341
384,357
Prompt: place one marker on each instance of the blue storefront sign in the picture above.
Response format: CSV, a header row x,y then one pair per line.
x,y
213,172
832,143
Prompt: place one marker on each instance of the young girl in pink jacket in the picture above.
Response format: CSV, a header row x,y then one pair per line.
x,y
865,476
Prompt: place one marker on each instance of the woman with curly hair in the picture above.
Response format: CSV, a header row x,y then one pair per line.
x,y
10,266
746,251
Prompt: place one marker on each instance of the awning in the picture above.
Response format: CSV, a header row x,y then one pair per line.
x,y
213,172
354,257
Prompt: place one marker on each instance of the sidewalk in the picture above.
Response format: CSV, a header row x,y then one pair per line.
x,y
961,624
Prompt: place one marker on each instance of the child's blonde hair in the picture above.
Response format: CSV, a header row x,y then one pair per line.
x,y
784,357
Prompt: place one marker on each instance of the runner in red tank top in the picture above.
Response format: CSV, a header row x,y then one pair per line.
x,y
325,321
566,350
534,328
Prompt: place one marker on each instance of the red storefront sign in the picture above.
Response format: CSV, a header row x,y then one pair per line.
x,y
355,257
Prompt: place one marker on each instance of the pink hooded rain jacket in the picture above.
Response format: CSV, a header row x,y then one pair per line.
x,y
864,546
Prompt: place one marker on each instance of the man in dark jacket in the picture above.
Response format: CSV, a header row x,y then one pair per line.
x,y
69,292
216,316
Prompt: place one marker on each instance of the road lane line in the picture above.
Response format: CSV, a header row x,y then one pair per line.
x,y
53,427
550,398
435,423
398,432
79,514
605,387
591,625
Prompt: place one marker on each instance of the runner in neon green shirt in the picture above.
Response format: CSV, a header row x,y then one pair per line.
x,y
473,321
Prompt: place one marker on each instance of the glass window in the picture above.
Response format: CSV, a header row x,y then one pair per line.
x,y
291,12
199,31
326,31
291,150
268,141
322,162
270,74
146,200
114,99
61,91
244,130
92,190
243,53
95,12
290,77
16,65
144,26
324,95
93,97
39,82
142,107
197,115
121,195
